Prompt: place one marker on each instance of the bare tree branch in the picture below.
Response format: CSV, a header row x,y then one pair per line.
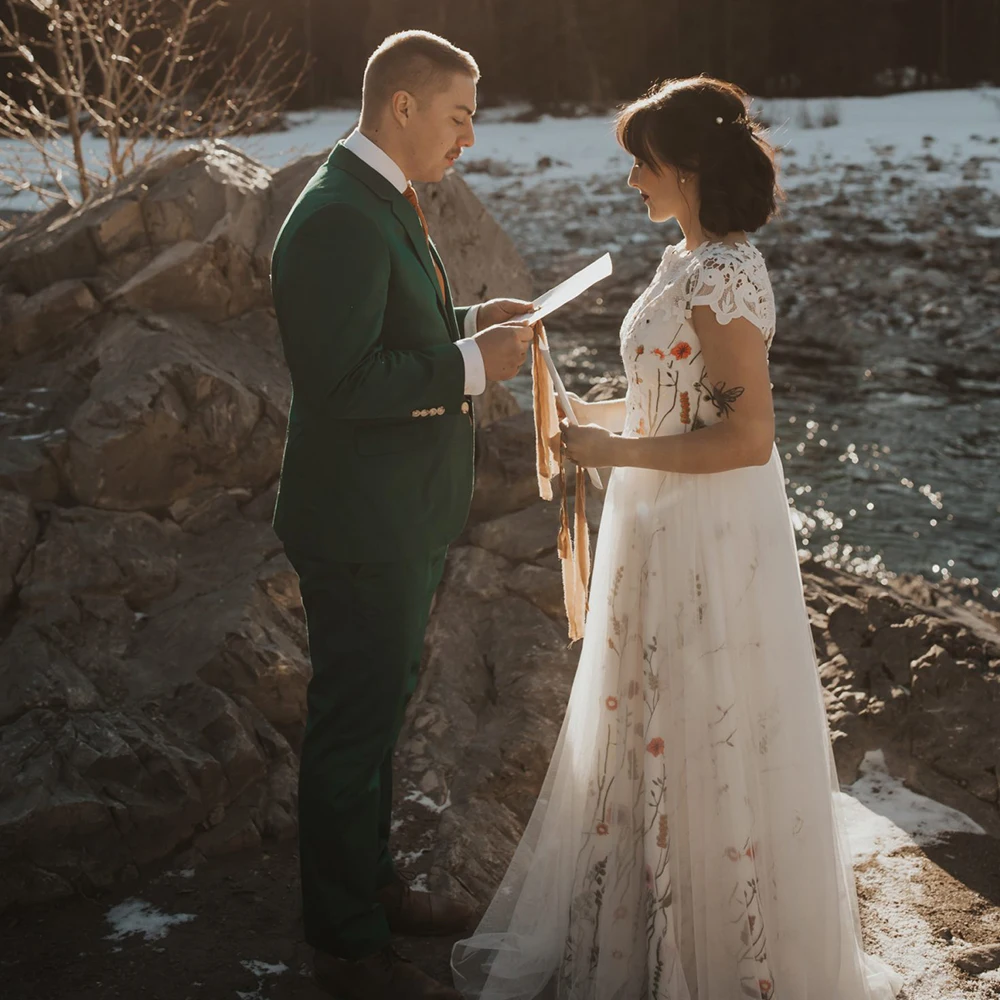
x,y
135,74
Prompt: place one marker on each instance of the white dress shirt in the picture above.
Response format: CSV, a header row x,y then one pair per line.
x,y
376,158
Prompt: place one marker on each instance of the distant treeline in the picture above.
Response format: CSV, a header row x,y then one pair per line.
x,y
556,51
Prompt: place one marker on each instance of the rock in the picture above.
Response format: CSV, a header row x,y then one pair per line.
x,y
205,510
168,414
186,272
481,260
524,535
977,959
36,675
47,315
496,403
543,587
18,530
26,468
506,479
131,556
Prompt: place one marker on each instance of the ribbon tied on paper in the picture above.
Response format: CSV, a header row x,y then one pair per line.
x,y
574,544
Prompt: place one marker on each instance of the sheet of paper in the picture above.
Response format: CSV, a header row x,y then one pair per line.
x,y
567,406
567,290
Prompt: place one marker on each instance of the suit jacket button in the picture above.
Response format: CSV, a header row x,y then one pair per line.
x,y
465,407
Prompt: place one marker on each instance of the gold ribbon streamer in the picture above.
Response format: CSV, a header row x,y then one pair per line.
x,y
574,546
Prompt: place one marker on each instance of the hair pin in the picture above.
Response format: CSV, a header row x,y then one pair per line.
x,y
718,121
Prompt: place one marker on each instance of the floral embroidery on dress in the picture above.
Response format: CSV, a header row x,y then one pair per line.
x,y
676,394
669,393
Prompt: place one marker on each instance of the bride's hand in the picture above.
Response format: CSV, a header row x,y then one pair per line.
x,y
580,408
590,445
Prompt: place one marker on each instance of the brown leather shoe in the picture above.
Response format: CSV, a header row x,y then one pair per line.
x,y
423,914
385,976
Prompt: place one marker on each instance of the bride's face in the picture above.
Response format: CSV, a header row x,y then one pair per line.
x,y
663,189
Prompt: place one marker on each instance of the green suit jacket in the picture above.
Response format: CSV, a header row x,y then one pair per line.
x,y
378,461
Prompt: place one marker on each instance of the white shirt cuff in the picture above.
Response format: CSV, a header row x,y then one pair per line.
x,y
470,321
475,370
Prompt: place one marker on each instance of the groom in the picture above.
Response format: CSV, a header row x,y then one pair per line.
x,y
376,481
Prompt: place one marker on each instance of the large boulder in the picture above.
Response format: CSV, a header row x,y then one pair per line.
x,y
153,658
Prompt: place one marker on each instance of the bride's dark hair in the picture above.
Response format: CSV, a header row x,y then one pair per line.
x,y
702,125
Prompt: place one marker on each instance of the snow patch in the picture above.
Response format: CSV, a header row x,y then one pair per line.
x,y
427,802
260,970
136,916
883,815
407,858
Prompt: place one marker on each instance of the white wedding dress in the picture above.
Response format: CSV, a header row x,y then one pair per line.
x,y
685,845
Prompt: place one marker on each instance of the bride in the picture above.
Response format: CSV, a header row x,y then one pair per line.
x,y
685,845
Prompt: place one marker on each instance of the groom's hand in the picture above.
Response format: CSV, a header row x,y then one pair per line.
x,y
499,311
504,348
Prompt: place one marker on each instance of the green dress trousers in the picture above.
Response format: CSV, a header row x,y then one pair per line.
x,y
366,624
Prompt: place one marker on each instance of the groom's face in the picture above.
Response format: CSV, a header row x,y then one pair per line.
x,y
440,127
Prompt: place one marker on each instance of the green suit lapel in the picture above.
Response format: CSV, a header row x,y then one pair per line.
x,y
404,212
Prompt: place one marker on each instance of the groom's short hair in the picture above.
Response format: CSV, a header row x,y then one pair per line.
x,y
413,61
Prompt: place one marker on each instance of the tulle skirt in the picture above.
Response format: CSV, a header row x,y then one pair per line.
x,y
685,844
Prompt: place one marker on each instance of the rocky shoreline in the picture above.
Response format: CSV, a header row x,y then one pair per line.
x,y
153,660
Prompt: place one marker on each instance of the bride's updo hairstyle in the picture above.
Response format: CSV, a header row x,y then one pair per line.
x,y
701,125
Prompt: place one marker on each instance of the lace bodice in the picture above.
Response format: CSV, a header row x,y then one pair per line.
x,y
668,387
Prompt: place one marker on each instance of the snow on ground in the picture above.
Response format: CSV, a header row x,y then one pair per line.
x,y
883,815
959,125
260,970
885,823
134,916
427,802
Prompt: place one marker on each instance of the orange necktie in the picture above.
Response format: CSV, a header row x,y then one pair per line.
x,y
411,196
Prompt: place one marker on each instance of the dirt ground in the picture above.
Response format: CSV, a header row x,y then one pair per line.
x,y
246,911
246,908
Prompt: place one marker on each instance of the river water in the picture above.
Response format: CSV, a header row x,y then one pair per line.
x,y
886,362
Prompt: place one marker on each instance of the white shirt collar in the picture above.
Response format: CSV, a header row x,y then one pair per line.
x,y
376,158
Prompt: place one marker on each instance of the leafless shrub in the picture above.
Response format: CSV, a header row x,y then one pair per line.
x,y
830,115
137,74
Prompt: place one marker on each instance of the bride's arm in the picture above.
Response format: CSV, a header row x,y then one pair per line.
x,y
738,380
606,413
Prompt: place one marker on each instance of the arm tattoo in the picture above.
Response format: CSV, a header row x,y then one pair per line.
x,y
721,397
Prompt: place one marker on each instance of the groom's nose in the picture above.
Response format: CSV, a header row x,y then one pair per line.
x,y
469,137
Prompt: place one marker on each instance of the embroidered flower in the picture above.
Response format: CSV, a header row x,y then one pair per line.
x,y
751,851
621,913
685,408
660,354
681,350
656,746
611,702
732,854
602,829
661,836
765,986
642,427
611,644
640,350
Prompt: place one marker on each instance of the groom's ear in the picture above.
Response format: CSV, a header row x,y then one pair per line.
x,y
403,106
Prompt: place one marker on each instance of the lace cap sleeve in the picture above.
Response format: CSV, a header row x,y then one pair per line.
x,y
734,284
